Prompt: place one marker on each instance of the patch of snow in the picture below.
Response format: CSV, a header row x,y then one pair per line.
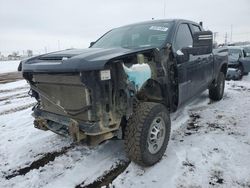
x,y
14,85
21,144
212,149
215,153
8,66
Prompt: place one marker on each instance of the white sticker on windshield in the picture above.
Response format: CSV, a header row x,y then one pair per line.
x,y
158,28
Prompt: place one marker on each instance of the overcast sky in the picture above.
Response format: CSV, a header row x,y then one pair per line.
x,y
50,25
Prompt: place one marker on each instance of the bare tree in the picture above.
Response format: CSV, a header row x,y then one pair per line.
x,y
15,54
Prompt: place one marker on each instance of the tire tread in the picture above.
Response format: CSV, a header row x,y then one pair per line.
x,y
134,132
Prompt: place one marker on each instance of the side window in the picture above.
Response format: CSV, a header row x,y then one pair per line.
x,y
196,28
183,37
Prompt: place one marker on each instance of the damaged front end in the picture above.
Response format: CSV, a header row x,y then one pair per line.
x,y
79,105
93,104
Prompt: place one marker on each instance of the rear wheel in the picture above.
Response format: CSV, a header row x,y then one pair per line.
x,y
240,71
216,91
147,133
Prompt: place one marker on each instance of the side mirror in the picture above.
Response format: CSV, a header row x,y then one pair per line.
x,y
202,43
91,44
182,55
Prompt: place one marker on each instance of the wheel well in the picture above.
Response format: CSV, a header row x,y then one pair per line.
x,y
152,92
224,69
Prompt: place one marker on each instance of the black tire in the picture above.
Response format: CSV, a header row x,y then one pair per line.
x,y
137,135
241,71
216,91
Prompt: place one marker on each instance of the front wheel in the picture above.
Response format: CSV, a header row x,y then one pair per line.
x,y
216,91
147,133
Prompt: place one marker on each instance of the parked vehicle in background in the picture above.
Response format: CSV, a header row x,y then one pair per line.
x,y
239,62
246,50
126,84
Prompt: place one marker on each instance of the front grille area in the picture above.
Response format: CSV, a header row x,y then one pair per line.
x,y
64,95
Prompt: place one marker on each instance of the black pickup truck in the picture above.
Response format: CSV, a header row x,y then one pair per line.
x,y
126,84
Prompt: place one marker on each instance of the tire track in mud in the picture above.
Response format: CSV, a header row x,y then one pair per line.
x,y
14,89
15,96
41,162
107,178
10,77
12,110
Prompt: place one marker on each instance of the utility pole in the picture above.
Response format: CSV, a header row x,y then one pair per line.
x,y
164,13
215,35
226,38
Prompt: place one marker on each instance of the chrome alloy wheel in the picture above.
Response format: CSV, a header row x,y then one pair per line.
x,y
156,135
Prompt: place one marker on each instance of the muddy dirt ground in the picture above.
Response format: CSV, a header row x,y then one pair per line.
x,y
10,77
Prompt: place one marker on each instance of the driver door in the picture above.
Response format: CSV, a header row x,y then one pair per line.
x,y
189,76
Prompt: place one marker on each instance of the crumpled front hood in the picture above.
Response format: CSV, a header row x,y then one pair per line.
x,y
75,60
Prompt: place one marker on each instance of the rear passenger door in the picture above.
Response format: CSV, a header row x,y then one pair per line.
x,y
188,75
205,64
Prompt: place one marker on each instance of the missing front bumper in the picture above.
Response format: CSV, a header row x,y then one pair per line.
x,y
66,126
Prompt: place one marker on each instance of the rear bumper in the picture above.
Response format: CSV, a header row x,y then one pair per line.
x,y
233,74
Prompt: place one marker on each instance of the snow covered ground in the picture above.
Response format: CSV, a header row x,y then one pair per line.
x,y
209,147
8,66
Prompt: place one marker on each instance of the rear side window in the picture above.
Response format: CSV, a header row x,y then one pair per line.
x,y
196,28
183,37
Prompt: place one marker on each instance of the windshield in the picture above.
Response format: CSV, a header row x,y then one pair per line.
x,y
135,36
234,52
